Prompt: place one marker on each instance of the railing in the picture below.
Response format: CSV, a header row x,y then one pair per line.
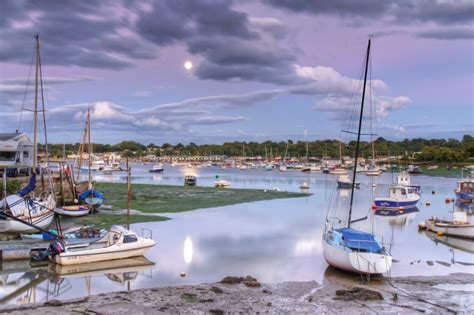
x,y
147,233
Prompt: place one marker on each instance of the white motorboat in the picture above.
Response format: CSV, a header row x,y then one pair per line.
x,y
283,168
345,247
338,171
118,243
74,210
459,226
157,168
404,179
344,181
221,183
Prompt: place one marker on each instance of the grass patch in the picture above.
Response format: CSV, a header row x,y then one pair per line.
x,y
104,220
165,198
441,171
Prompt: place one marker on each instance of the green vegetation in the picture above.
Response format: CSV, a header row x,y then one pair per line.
x,y
456,150
104,220
13,185
442,171
164,198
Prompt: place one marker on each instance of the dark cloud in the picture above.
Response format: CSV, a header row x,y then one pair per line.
x,y
400,11
448,34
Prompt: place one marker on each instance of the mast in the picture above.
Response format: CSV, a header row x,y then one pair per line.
x,y
358,137
35,111
89,149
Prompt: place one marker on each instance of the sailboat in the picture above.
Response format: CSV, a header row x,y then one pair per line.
x,y
347,248
21,213
90,196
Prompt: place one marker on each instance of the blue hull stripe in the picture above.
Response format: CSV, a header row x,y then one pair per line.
x,y
395,204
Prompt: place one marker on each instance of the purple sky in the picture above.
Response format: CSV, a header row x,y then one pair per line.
x,y
272,69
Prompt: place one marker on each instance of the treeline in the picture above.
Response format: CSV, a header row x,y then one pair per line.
x,y
441,150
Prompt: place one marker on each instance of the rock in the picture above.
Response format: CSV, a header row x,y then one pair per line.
x,y
189,297
53,303
216,290
231,280
251,282
429,263
206,301
217,312
358,293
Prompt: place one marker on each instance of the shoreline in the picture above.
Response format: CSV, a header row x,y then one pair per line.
x,y
416,294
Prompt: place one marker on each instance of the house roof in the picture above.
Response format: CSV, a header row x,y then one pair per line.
x,y
9,136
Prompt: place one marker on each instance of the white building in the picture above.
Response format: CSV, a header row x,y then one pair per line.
x,y
16,152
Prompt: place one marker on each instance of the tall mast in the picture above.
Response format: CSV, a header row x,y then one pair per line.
x,y
89,140
358,137
35,111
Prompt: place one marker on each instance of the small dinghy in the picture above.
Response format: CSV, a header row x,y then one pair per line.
x,y
73,210
118,243
459,226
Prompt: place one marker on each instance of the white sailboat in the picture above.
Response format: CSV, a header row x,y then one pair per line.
x,y
20,211
349,249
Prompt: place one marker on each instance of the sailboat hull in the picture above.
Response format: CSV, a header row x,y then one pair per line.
x,y
358,262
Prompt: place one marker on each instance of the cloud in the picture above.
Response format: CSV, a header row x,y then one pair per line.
x,y
448,34
142,93
395,11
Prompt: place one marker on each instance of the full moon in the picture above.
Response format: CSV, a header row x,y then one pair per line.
x,y
188,65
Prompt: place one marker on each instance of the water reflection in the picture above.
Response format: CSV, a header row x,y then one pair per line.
x,y
26,282
463,244
399,218
188,250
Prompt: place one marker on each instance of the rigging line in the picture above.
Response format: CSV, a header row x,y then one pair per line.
x,y
26,90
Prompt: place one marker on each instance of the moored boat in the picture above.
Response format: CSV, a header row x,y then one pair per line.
x,y
157,168
190,180
74,210
400,197
465,191
404,179
344,181
221,183
338,171
459,226
118,243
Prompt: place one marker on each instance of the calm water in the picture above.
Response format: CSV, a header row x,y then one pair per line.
x,y
274,241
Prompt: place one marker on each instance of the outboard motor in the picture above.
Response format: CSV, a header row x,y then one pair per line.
x,y
55,248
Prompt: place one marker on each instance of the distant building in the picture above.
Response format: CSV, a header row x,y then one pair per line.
x,y
16,152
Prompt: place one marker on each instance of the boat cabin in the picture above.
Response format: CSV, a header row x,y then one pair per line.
x,y
466,186
401,192
16,153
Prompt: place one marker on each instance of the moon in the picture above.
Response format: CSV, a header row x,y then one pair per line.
x,y
188,65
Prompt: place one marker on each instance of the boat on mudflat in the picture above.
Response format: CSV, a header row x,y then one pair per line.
x,y
74,210
400,197
459,226
118,243
222,183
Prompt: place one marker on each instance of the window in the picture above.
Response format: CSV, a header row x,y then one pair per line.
x,y
26,154
404,192
7,156
129,239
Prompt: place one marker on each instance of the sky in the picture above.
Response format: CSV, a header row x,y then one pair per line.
x,y
261,70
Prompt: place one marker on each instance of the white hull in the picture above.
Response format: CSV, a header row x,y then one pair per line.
x,y
338,172
459,230
10,225
359,262
72,213
119,251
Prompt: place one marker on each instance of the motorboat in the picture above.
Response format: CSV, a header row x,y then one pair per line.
x,y
221,183
157,168
400,197
338,171
118,243
373,170
459,226
283,168
414,169
190,180
465,191
344,181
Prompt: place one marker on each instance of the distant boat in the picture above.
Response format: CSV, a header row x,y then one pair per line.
x,y
459,226
304,185
344,181
283,168
157,168
222,183
373,170
414,169
326,170
432,167
118,243
400,197
465,191
338,171
268,167
190,180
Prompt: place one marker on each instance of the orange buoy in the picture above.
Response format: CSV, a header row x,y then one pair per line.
x,y
447,200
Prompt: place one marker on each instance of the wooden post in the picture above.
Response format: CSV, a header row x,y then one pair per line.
x,y
129,195
61,178
4,183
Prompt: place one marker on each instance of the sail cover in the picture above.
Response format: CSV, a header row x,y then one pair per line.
x,y
29,188
89,193
362,241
